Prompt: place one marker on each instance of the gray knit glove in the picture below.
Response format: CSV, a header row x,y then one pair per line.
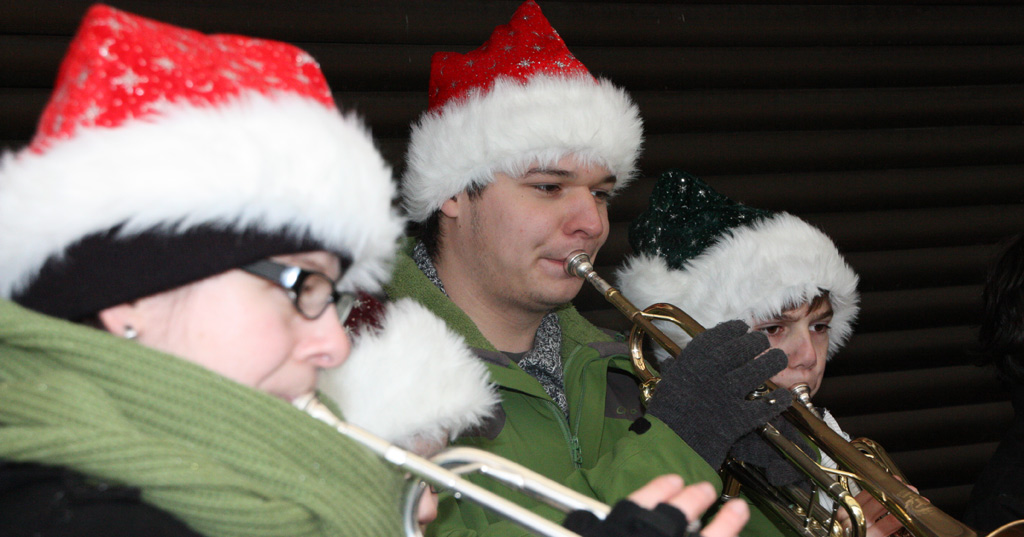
x,y
753,449
702,392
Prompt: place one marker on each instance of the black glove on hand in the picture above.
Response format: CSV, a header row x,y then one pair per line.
x,y
702,392
628,519
754,449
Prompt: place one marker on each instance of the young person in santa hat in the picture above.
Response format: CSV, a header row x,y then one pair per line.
x,y
509,171
717,260
180,244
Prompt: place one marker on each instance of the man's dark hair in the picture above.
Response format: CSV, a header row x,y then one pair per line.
x,y
429,232
1001,335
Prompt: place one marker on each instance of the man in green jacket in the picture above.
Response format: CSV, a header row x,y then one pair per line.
x,y
509,171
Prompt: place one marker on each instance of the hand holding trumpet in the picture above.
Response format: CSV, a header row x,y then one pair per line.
x,y
664,507
702,395
921,519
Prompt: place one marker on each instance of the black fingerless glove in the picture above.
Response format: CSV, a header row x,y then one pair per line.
x,y
628,519
702,392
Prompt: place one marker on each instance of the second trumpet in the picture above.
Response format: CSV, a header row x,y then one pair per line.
x,y
918,515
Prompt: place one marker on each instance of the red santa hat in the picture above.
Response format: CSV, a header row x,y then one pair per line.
x,y
165,156
520,98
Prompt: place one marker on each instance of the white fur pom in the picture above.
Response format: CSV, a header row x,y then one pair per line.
x,y
414,381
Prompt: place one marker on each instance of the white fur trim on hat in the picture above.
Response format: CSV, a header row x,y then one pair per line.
x,y
751,273
275,163
413,381
514,125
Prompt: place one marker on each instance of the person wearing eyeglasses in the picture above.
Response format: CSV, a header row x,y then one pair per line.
x,y
201,200
180,245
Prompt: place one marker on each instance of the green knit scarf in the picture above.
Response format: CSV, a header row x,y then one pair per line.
x,y
225,459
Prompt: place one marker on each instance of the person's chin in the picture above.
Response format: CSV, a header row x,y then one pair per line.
x,y
564,290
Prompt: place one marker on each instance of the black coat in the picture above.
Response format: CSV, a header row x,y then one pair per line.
x,y
47,501
998,495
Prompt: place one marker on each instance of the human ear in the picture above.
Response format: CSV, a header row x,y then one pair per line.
x,y
451,206
119,319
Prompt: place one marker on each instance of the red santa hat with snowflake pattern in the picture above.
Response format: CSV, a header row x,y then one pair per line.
x,y
520,98
165,156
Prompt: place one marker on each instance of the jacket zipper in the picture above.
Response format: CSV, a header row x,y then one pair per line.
x,y
570,439
572,436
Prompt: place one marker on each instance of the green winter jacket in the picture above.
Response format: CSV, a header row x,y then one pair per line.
x,y
594,452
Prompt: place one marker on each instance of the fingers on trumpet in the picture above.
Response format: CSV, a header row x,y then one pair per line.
x,y
665,506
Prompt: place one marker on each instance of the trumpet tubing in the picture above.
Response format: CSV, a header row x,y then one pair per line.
x,y
916,513
436,472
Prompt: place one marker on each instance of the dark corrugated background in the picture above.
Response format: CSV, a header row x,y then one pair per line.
x,y
894,126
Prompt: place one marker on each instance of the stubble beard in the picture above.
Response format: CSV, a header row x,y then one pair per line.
x,y
536,294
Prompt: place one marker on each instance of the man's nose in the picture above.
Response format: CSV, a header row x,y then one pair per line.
x,y
586,215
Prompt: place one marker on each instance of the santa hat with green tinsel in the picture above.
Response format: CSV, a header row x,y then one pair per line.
x,y
520,98
720,260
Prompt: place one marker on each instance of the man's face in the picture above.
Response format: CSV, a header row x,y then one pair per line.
x,y
803,334
511,241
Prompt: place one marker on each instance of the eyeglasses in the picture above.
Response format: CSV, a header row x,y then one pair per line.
x,y
311,292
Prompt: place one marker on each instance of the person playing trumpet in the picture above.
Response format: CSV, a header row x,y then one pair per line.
x,y
179,246
717,260
509,171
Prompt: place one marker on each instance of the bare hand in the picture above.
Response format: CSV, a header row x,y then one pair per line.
x,y
693,501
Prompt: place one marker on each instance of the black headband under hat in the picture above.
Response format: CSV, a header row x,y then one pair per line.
x,y
107,269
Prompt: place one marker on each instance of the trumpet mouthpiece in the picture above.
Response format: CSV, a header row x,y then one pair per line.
x,y
578,264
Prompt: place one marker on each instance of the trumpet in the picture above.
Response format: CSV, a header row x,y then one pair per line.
x,y
796,507
447,469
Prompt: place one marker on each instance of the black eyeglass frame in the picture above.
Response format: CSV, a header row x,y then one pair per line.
x,y
291,278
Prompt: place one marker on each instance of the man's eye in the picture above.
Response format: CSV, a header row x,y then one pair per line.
x,y
821,327
770,330
602,195
547,188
